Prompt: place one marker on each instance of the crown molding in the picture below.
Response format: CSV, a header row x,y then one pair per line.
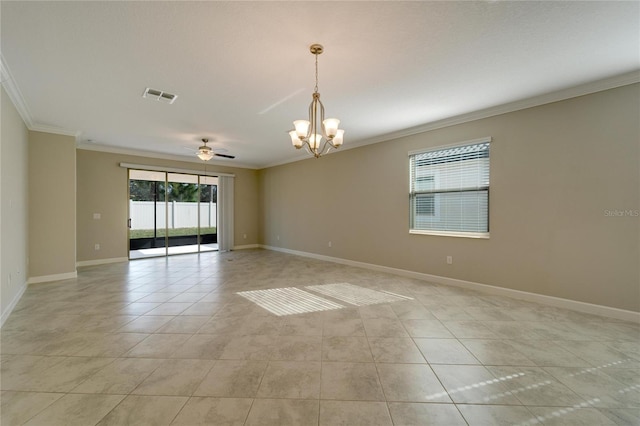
x,y
149,154
12,89
547,98
52,129
299,158
14,93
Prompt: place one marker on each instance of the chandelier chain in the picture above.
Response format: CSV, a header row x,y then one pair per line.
x,y
316,88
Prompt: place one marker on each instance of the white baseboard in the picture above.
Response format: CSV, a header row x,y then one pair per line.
x,y
246,246
557,302
101,261
12,305
55,277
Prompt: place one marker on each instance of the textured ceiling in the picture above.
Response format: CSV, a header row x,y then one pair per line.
x,y
243,72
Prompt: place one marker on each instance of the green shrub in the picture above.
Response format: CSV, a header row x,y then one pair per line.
x,y
148,233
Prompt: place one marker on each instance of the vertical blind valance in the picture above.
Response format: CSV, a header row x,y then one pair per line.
x,y
449,188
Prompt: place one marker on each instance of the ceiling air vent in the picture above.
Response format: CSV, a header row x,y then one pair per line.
x,y
159,95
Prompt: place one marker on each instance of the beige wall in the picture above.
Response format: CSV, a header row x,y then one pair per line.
x,y
14,211
102,188
52,205
555,169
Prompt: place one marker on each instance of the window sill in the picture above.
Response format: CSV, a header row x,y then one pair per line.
x,y
475,235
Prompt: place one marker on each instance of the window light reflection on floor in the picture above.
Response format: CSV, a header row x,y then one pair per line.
x,y
475,385
561,412
288,301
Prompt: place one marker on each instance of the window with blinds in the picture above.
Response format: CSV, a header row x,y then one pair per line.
x,y
450,190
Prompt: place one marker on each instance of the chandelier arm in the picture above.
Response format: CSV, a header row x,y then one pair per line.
x,y
311,151
324,132
308,148
326,147
311,121
314,121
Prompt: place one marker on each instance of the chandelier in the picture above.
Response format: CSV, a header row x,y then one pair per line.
x,y
317,135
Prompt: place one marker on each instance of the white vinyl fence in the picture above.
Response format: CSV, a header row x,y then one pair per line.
x,y
181,215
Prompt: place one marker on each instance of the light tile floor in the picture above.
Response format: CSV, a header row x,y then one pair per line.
x,y
167,341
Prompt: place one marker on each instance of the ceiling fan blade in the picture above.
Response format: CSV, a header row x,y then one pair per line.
x,y
224,155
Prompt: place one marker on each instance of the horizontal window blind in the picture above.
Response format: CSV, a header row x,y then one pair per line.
x,y
450,189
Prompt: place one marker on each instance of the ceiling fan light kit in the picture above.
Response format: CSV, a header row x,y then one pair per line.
x,y
205,153
317,134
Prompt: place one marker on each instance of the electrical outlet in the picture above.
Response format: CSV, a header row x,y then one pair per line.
x,y
96,247
97,215
244,236
278,237
330,244
450,260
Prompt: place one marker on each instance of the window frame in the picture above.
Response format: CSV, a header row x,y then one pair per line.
x,y
412,194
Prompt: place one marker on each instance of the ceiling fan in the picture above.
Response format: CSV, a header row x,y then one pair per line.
x,y
206,153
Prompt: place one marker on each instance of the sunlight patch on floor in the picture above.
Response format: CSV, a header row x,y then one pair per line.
x,y
356,295
288,301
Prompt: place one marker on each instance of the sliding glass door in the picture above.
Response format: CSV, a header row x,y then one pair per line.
x,y
208,213
182,213
171,213
147,214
